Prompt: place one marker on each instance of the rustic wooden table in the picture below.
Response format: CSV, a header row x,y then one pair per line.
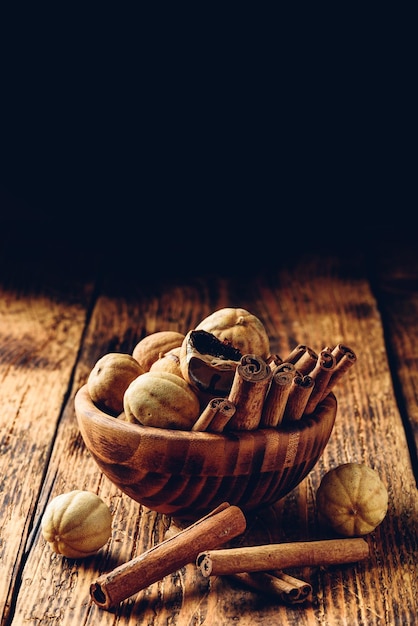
x,y
59,315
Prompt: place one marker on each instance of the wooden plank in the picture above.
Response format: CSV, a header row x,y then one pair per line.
x,y
396,285
318,301
41,325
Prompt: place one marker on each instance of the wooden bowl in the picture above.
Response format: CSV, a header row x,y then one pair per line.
x,y
186,474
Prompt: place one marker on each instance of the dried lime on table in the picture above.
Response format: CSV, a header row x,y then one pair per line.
x,y
352,499
76,524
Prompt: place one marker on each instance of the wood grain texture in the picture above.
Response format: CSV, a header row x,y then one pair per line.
x,y
40,334
51,342
396,285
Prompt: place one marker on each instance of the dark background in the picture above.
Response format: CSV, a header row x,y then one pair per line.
x,y
199,152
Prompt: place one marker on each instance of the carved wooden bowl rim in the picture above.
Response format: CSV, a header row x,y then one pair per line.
x,y
114,441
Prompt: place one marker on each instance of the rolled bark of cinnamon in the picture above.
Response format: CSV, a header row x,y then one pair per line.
x,y
215,529
301,389
296,353
215,415
274,360
294,589
321,374
303,358
248,391
226,411
345,358
276,399
341,350
205,418
285,366
288,588
224,562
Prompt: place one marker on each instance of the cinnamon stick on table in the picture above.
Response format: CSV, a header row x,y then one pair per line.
x,y
294,590
224,562
215,529
249,388
288,588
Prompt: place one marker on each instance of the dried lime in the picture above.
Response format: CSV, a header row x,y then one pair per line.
x,y
76,524
352,499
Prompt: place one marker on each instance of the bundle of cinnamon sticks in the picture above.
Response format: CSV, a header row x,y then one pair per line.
x,y
268,393
260,567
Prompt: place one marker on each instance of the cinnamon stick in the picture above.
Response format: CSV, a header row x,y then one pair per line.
x,y
294,589
248,391
288,588
345,358
303,358
341,350
285,366
222,524
207,415
225,412
276,399
301,389
321,374
296,353
215,415
224,562
274,360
